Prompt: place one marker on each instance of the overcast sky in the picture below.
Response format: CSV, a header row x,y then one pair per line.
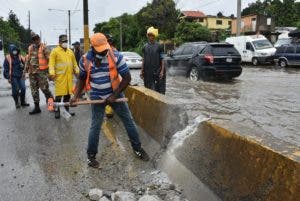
x,y
54,23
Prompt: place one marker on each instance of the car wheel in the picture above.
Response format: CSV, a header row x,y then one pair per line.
x,y
194,74
282,63
255,61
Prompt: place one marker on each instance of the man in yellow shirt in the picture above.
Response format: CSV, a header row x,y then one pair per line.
x,y
62,66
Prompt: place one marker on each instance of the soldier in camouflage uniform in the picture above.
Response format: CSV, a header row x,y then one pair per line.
x,y
38,73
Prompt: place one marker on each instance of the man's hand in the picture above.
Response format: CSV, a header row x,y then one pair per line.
x,y
9,81
111,99
73,101
52,77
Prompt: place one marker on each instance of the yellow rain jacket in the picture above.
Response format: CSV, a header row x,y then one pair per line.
x,y
63,65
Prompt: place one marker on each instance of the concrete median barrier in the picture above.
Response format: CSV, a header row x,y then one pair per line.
x,y
235,163
158,115
239,163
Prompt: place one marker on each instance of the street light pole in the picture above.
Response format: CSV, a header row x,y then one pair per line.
x,y
69,15
69,20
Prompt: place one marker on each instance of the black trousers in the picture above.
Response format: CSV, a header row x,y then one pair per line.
x,y
153,82
66,98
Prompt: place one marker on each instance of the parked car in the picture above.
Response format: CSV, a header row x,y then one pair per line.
x,y
204,60
256,48
133,59
283,39
288,55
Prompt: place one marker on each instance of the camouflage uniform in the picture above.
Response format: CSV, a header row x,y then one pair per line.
x,y
38,78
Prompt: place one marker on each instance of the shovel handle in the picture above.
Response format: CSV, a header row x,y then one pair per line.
x,y
52,104
97,101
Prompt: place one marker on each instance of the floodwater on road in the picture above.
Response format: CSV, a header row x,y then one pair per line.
x,y
262,97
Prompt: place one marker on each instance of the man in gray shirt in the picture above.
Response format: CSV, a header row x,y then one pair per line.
x,y
153,72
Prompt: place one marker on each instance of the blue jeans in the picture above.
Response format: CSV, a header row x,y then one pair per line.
x,y
122,110
18,84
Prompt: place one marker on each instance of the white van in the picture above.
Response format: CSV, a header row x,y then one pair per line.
x,y
256,48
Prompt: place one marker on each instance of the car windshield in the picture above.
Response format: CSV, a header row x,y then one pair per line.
x,y
130,54
283,41
262,44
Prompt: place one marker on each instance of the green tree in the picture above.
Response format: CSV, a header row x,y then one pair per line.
x,y
8,34
23,34
130,30
191,31
285,13
161,14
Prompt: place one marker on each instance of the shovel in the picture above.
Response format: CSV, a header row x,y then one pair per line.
x,y
52,104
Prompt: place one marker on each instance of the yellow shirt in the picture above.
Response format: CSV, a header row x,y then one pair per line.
x,y
63,65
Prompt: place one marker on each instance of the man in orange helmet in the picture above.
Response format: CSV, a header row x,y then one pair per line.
x,y
99,71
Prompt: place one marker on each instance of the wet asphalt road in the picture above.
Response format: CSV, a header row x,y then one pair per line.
x,y
44,159
265,97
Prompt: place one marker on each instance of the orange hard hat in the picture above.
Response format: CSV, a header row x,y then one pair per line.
x,y
99,42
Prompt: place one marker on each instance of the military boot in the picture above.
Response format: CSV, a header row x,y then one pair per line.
x,y
23,102
16,99
36,109
57,113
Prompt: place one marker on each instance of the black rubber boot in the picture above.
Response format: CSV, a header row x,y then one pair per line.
x,y
68,110
57,113
16,99
23,102
36,109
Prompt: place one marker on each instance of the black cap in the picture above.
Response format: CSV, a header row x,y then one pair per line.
x,y
63,38
76,43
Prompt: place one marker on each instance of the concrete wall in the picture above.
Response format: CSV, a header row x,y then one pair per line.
x,y
242,164
159,116
236,163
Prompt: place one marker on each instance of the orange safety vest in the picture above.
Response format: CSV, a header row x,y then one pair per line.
x,y
9,59
113,73
43,61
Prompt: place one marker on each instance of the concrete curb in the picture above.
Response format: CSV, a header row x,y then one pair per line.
x,y
236,166
235,162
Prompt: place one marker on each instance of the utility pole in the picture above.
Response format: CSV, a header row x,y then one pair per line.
x,y
29,20
69,19
69,15
238,19
86,25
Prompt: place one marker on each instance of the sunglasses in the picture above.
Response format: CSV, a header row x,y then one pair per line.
x,y
64,41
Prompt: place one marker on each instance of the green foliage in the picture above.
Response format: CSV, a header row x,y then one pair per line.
x,y
285,13
223,34
8,34
191,31
161,14
13,32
